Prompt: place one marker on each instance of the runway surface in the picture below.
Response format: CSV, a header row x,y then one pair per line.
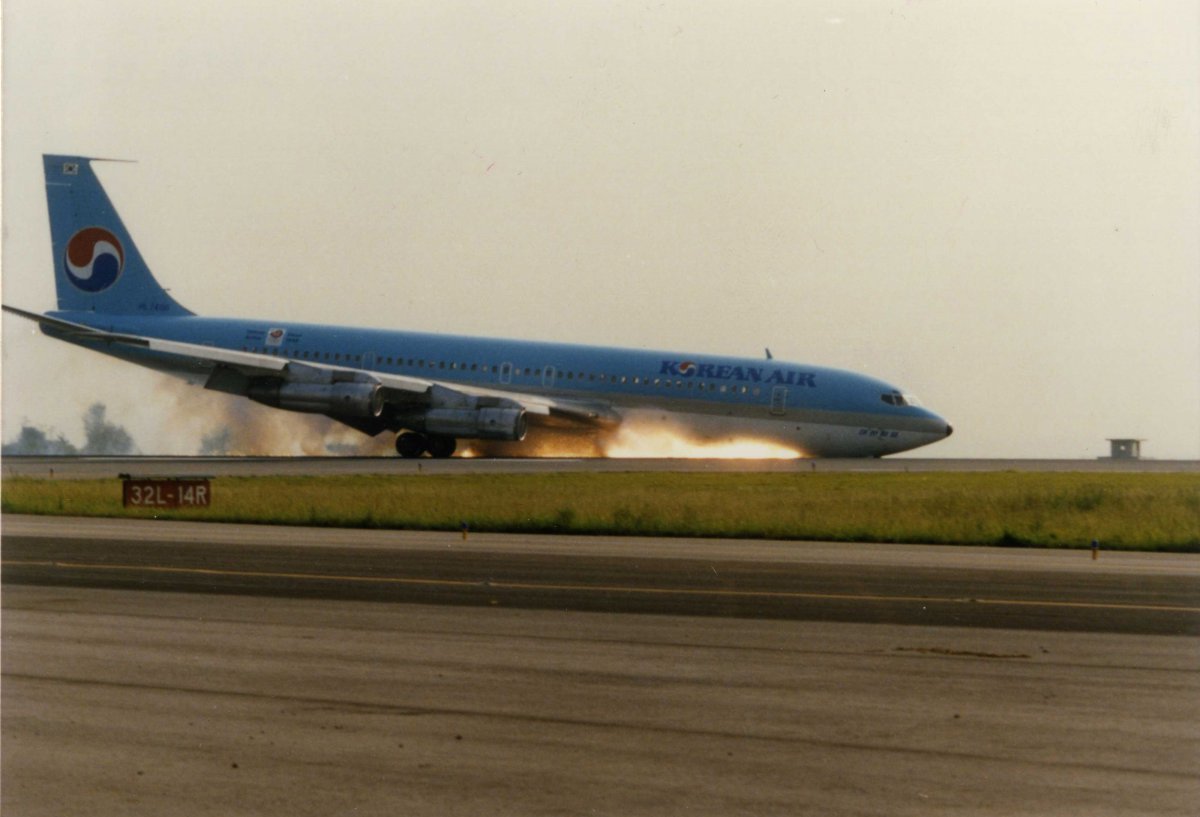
x,y
147,703
975,587
101,467
771,678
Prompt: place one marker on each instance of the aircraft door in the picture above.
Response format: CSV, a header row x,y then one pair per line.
x,y
779,400
548,375
506,370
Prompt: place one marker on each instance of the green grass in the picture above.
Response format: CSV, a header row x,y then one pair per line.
x,y
1128,511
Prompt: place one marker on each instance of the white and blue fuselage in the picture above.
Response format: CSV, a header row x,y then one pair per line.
x,y
434,389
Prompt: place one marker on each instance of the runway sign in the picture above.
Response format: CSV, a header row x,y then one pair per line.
x,y
168,492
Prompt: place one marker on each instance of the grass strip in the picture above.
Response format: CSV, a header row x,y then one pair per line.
x,y
1122,511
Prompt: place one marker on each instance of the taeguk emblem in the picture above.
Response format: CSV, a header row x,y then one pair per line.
x,y
94,259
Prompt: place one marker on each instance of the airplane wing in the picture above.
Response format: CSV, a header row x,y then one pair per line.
x,y
247,362
257,375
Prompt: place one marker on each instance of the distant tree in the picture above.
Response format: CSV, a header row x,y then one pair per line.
x,y
216,443
103,437
35,442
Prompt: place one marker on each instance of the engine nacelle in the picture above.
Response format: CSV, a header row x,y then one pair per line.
x,y
346,399
485,424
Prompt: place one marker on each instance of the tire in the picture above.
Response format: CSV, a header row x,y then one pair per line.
x,y
442,447
410,446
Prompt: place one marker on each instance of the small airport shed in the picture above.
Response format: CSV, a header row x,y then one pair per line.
x,y
1125,449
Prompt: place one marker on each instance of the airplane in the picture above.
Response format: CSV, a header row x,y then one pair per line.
x,y
435,390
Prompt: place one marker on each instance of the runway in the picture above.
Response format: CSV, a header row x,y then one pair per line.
x,y
974,587
295,671
105,467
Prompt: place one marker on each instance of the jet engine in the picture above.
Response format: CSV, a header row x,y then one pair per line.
x,y
507,424
347,399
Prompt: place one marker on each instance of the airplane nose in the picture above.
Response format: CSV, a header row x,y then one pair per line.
x,y
949,429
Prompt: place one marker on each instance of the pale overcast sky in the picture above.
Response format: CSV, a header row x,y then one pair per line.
x,y
992,204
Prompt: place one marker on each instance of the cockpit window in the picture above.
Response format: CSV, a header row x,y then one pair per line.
x,y
895,398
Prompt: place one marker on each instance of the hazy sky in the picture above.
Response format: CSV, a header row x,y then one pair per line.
x,y
993,204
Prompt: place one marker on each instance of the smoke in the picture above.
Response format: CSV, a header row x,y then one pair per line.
x,y
101,439
226,425
232,426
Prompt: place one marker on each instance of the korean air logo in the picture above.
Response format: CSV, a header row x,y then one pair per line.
x,y
687,368
94,259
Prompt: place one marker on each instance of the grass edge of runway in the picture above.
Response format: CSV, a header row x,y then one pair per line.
x,y
1122,511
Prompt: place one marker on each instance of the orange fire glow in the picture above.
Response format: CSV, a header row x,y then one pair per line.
x,y
639,437
664,443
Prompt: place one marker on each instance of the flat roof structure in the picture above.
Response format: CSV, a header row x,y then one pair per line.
x,y
1125,448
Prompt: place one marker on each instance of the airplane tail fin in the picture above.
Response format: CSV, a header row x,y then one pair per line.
x,y
97,267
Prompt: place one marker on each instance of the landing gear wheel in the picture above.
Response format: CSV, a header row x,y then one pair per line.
x,y
411,446
441,447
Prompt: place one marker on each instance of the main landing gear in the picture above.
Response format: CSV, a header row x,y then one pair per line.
x,y
411,445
